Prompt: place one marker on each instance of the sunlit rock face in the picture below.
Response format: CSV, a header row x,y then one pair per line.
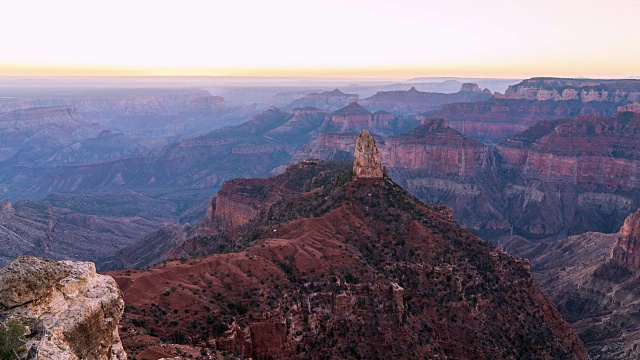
x,y
70,312
366,163
626,248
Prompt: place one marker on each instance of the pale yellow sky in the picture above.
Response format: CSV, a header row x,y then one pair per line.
x,y
357,38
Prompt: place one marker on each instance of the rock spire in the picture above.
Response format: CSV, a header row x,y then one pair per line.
x,y
366,163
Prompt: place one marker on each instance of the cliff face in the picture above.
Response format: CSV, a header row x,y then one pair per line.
x,y
299,129
585,151
496,119
626,248
344,267
435,147
70,311
585,90
28,120
437,164
351,118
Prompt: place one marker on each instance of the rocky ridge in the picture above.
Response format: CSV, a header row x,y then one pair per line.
x,y
69,311
585,90
414,102
326,100
345,268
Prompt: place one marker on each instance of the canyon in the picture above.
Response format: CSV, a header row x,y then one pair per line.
x,y
524,170
494,191
592,278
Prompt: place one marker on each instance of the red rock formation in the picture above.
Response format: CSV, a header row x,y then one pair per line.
x,y
583,151
494,120
626,248
437,148
351,118
342,268
366,163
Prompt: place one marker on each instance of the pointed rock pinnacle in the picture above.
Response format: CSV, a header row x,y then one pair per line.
x,y
366,163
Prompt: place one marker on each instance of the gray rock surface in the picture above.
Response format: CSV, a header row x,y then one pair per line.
x,y
70,311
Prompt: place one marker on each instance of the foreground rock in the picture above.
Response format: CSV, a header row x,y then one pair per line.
x,y
69,311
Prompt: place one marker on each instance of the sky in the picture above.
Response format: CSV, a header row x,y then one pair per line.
x,y
349,38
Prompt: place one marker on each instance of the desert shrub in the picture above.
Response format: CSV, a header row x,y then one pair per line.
x,y
12,340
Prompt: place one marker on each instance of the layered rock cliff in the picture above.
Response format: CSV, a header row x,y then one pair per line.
x,y
28,120
352,117
435,147
585,90
69,312
583,151
495,120
626,248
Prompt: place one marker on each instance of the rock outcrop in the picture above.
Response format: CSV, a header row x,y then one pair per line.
x,y
470,87
367,163
626,248
70,312
633,107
